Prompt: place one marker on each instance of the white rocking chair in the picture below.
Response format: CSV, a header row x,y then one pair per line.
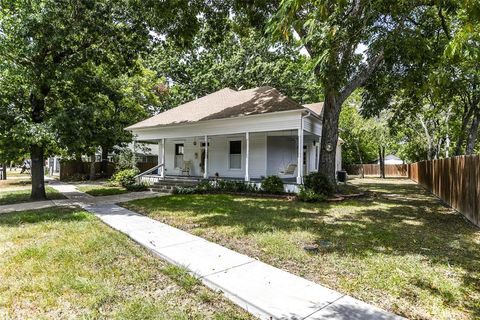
x,y
186,167
289,170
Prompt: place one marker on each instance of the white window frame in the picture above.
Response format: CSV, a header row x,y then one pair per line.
x,y
242,145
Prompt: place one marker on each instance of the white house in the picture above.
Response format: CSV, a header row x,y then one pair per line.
x,y
248,135
392,159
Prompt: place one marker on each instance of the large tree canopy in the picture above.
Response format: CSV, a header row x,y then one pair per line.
x,y
333,33
66,68
242,59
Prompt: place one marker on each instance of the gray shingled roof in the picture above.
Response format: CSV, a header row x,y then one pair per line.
x,y
222,104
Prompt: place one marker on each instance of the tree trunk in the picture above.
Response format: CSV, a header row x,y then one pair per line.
x,y
362,172
92,167
37,101
381,161
104,163
328,145
467,114
4,171
472,135
36,168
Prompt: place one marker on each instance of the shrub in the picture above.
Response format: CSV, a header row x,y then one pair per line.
x,y
186,190
273,185
137,187
126,177
126,159
308,195
235,186
318,183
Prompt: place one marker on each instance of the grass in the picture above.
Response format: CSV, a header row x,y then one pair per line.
x,y
63,263
101,190
20,182
399,249
19,196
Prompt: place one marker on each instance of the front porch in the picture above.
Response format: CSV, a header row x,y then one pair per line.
x,y
250,156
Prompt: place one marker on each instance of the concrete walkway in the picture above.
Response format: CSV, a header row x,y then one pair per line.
x,y
27,206
264,291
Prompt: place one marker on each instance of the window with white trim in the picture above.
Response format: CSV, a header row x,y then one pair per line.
x,y
235,154
179,155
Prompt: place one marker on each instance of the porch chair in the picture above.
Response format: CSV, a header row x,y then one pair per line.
x,y
289,170
186,167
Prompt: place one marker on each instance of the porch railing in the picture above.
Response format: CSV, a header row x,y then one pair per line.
x,y
140,175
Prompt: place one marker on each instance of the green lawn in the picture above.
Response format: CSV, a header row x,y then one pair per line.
x,y
101,190
63,263
399,249
18,196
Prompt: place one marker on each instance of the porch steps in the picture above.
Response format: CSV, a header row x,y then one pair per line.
x,y
168,185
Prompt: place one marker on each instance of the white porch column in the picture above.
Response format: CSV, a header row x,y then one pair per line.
x,y
55,164
161,156
247,155
205,169
300,155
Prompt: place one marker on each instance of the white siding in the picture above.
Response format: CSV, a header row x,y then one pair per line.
x,y
259,123
281,151
312,125
338,157
218,155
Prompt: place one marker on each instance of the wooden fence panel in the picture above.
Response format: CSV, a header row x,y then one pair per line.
x,y
391,170
81,170
144,166
455,180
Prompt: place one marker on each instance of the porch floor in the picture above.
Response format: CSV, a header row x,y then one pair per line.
x,y
289,180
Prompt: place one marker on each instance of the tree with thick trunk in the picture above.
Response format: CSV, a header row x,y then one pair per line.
x,y
64,64
37,167
4,171
334,33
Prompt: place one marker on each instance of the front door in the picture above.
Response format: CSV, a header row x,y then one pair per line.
x,y
202,160
179,150
202,157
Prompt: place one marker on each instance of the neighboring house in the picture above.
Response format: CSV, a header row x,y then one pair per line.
x,y
392,159
247,135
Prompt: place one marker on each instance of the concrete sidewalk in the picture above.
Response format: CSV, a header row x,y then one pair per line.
x,y
27,206
261,289
264,291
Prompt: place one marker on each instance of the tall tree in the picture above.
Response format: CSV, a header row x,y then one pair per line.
x,y
435,90
52,52
243,58
347,41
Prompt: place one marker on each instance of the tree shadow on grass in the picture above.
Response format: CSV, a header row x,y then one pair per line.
x,y
64,214
403,220
21,196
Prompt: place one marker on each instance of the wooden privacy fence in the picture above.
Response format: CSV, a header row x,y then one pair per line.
x,y
78,170
391,170
144,166
81,170
454,180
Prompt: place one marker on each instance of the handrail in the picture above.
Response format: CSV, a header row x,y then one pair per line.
x,y
158,166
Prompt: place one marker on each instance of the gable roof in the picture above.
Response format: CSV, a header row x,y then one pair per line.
x,y
223,104
392,157
317,108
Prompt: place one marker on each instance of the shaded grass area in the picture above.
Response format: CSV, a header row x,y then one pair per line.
x,y
63,263
101,190
19,196
399,249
